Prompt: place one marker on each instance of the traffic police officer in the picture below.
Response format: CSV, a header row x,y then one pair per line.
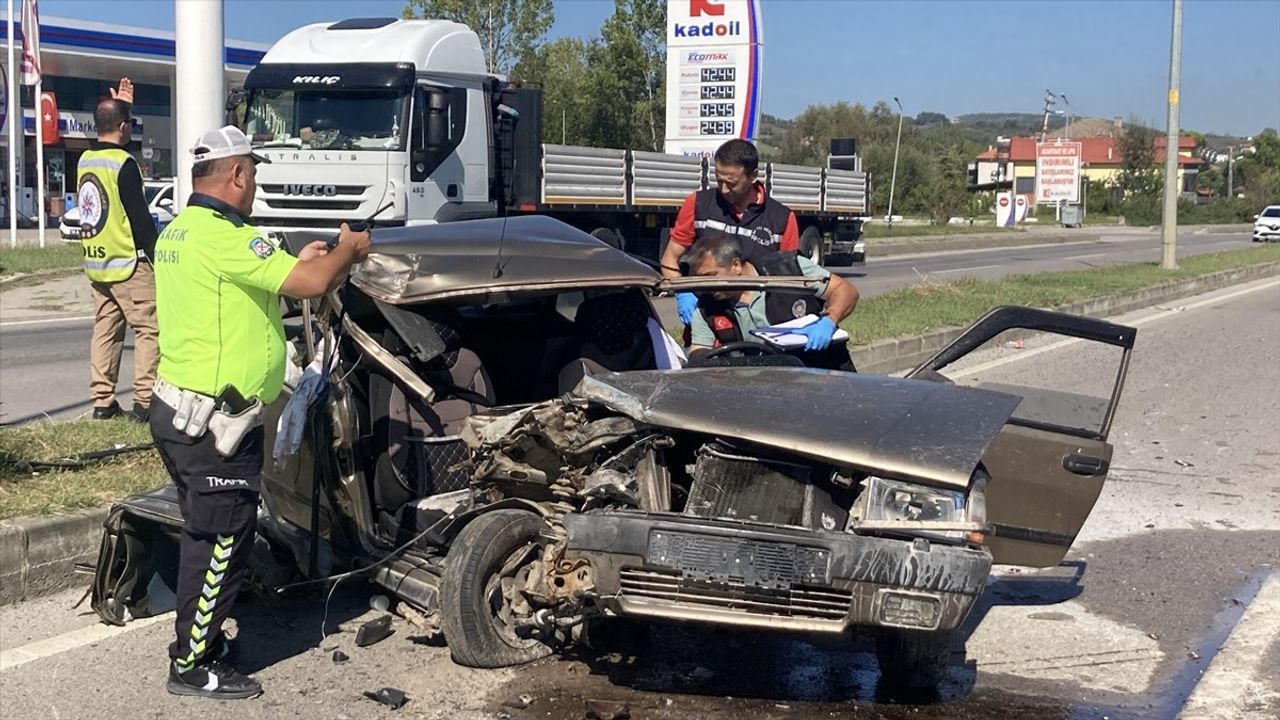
x,y
117,235
221,357
738,207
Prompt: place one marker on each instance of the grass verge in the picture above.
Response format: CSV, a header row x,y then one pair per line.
x,y
26,492
931,305
881,230
55,256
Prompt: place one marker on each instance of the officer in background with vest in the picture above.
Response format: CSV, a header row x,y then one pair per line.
x,y
738,207
222,355
117,235
730,316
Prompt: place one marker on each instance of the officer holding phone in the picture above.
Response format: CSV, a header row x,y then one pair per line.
x,y
222,355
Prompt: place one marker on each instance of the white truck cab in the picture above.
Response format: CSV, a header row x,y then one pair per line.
x,y
361,113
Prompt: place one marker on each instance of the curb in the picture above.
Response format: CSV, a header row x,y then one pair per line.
x,y
38,555
889,356
895,247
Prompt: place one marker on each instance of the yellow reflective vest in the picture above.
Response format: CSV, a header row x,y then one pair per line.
x,y
105,233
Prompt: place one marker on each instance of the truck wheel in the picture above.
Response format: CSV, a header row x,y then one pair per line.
x,y
481,604
812,245
912,659
608,236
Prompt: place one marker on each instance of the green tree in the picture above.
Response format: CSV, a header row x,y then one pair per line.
x,y
562,68
1138,174
509,30
630,68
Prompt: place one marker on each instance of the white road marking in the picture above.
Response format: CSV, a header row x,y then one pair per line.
x,y
1231,688
15,323
966,269
11,658
992,364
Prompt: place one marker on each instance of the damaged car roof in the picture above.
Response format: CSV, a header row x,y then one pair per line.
x,y
906,428
467,257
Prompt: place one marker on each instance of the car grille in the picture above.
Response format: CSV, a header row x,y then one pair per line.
x,y
758,563
671,588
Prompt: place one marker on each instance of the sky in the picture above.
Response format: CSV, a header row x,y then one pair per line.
x,y
1109,57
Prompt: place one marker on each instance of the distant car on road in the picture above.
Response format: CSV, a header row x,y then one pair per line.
x,y
159,197
1266,225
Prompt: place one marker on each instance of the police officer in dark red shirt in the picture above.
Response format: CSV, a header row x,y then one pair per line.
x,y
737,207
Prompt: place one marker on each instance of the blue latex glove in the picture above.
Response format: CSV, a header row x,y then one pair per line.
x,y
687,305
819,333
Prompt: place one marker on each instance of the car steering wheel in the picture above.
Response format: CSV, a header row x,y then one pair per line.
x,y
744,348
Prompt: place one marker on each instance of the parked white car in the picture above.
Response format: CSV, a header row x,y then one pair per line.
x,y
1266,225
159,196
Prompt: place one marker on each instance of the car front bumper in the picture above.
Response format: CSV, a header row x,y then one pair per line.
x,y
673,567
1264,233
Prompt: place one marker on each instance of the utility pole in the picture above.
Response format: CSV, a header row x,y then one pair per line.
x,y
200,84
1169,219
1231,166
894,179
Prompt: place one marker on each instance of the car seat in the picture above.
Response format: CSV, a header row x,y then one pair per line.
x,y
418,443
615,336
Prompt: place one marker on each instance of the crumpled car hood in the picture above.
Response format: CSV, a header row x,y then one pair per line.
x,y
912,429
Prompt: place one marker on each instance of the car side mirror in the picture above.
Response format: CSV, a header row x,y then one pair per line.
x,y
166,203
1255,217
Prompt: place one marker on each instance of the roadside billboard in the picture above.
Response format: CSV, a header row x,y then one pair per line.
x,y
1058,172
713,73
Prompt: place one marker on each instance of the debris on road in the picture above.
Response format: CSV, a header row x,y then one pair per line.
x,y
519,703
340,657
607,710
391,697
373,631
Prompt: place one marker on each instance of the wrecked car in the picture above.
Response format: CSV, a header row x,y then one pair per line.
x,y
509,441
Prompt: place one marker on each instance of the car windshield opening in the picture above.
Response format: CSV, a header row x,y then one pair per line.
x,y
150,192
366,119
1271,212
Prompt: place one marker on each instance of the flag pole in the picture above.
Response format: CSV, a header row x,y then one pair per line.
x,y
40,186
15,119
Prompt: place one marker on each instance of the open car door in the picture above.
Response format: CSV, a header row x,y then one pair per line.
x,y
1049,462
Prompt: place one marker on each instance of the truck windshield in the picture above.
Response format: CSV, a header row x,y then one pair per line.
x,y
327,119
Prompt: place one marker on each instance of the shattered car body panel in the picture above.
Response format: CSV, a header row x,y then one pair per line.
x,y
474,257
914,429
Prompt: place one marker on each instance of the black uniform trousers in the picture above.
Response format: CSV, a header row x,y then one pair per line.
x,y
218,497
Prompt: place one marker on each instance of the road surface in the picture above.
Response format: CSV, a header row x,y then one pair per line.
x,y
44,353
1170,564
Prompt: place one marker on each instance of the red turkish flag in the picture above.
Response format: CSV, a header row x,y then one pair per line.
x,y
49,118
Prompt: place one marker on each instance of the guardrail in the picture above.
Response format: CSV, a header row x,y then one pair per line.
x,y
602,176
583,175
661,179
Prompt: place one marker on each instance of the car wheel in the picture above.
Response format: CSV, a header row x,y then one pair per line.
x,y
811,245
912,659
483,613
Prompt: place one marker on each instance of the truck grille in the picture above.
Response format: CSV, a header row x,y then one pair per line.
x,y
319,197
671,588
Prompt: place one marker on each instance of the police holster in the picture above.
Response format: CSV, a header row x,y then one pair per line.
x,y
229,417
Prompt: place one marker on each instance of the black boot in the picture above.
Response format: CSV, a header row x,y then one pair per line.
x,y
212,679
107,412
139,414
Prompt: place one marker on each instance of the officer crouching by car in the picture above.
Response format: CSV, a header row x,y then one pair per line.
x,y
222,355
730,316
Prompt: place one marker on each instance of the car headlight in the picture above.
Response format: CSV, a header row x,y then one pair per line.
x,y
885,502
894,500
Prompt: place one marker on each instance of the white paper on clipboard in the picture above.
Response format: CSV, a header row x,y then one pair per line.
x,y
782,335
